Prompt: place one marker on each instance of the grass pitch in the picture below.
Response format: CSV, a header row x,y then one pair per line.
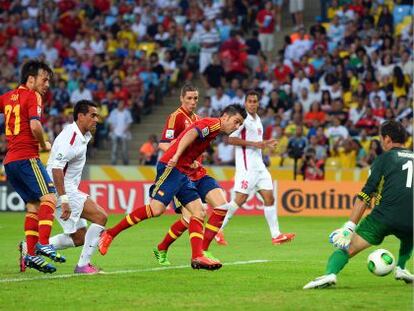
x,y
256,275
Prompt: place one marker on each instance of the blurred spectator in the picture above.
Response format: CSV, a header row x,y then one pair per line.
x,y
120,121
297,144
81,93
224,153
214,75
220,100
148,152
266,22
312,168
209,41
296,8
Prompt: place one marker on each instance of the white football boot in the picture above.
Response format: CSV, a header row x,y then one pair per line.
x,y
404,275
322,281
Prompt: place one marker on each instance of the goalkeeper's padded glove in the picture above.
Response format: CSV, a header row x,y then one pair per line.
x,y
341,238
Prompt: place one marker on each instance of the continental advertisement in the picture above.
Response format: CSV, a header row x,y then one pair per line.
x,y
294,198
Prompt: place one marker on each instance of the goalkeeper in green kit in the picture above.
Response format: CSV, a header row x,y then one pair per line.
x,y
391,183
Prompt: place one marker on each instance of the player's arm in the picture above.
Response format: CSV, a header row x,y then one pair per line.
x,y
271,143
59,159
170,132
185,141
38,133
34,104
341,238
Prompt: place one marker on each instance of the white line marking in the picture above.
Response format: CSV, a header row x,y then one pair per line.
x,y
66,276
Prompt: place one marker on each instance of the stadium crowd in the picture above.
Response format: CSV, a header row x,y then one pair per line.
x,y
324,92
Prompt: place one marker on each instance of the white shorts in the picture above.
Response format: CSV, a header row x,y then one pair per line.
x,y
76,202
266,41
247,182
295,6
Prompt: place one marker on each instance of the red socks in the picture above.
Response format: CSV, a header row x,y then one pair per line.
x,y
31,232
176,230
137,215
213,226
196,236
45,215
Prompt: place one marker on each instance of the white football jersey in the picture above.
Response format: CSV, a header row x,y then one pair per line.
x,y
249,158
69,153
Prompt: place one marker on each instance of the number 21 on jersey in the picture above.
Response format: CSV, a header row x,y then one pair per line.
x,y
8,111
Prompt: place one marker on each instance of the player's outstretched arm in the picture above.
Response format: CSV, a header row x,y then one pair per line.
x,y
185,141
271,143
37,131
59,181
341,238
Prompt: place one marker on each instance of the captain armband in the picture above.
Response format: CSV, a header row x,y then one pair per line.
x,y
364,197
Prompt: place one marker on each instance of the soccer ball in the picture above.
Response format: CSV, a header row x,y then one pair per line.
x,y
381,262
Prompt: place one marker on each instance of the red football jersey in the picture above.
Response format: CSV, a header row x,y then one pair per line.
x,y
176,123
19,107
207,129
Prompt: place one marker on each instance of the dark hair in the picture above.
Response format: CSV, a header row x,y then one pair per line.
x,y
188,87
253,93
234,109
395,130
82,107
31,68
399,76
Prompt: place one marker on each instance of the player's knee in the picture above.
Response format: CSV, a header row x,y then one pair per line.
x,y
199,213
157,210
51,198
269,202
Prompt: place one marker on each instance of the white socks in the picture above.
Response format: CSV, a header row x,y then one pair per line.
x,y
61,241
272,221
231,209
91,242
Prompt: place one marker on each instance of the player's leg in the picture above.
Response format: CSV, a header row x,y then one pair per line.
x,y
154,209
369,232
98,217
168,183
195,229
337,261
175,231
404,254
34,185
217,199
270,213
64,241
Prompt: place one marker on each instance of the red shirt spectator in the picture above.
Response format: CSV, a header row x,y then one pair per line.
x,y
66,5
69,24
282,73
266,20
102,5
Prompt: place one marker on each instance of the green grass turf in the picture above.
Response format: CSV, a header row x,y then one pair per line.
x,y
273,285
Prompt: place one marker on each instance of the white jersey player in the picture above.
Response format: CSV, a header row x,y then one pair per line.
x,y
251,173
65,166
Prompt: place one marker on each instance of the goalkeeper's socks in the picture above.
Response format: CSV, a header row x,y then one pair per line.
x,y
91,243
213,225
195,229
272,221
131,219
337,261
176,230
232,208
31,232
61,241
46,210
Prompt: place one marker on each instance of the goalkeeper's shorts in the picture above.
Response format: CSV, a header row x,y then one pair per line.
x,y
374,231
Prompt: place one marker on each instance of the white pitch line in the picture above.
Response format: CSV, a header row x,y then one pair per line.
x,y
66,276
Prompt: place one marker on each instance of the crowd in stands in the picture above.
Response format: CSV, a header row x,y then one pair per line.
x,y
325,91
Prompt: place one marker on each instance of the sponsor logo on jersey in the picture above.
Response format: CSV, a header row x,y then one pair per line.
x,y
14,97
169,134
59,156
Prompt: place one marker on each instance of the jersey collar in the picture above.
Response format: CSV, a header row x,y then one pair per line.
x,y
84,138
188,114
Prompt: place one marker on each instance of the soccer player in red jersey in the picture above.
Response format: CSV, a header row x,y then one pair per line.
x,y
207,187
173,171
22,108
